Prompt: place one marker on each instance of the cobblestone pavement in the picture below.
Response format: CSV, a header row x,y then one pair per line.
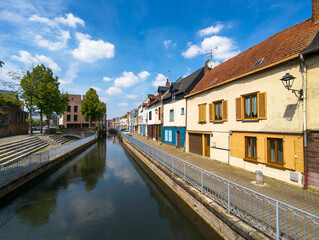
x,y
306,200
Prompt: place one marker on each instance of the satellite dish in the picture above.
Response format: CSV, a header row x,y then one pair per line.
x,y
211,64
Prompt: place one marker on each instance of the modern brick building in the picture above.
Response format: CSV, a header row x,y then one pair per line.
x,y
73,118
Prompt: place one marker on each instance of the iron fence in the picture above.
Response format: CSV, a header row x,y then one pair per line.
x,y
274,218
10,170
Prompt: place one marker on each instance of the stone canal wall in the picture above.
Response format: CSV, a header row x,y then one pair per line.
x,y
207,215
26,177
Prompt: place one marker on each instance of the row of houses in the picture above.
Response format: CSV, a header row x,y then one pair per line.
x,y
257,111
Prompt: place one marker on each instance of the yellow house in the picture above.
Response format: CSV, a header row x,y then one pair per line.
x,y
246,116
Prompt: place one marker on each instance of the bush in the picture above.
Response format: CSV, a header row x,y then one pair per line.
x,y
51,131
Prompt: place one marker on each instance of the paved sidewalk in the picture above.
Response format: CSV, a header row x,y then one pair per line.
x,y
305,200
5,140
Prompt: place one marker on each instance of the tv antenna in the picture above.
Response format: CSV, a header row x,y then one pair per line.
x,y
169,74
210,53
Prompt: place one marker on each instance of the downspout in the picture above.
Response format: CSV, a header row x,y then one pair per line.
x,y
303,68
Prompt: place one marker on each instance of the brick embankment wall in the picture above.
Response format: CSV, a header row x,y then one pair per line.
x,y
26,177
208,216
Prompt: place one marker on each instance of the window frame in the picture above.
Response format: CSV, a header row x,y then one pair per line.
x,y
251,105
217,103
247,158
76,108
69,108
150,115
182,111
171,115
68,118
75,116
276,163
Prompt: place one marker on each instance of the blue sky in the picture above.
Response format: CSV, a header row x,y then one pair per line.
x,y
125,48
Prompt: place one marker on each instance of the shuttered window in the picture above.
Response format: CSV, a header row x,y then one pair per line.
x,y
218,111
253,106
202,113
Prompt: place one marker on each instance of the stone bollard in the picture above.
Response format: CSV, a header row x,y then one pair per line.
x,y
259,177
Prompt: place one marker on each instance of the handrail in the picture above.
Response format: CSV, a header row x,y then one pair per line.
x,y
274,218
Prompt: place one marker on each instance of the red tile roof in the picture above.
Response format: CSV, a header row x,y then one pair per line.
x,y
282,45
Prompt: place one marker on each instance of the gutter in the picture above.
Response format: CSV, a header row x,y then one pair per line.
x,y
303,69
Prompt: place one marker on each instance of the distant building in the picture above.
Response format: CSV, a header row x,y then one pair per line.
x,y
72,118
12,119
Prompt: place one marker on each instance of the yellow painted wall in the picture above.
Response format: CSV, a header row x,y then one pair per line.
x,y
312,92
292,148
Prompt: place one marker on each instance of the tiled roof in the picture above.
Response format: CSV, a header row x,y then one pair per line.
x,y
280,46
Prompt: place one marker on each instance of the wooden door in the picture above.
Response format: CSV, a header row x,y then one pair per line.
x,y
195,143
207,145
313,159
178,136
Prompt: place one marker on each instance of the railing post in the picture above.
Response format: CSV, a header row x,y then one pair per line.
x,y
228,208
202,180
277,221
184,171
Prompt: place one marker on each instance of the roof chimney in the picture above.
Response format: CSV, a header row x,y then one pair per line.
x,y
315,11
206,68
167,83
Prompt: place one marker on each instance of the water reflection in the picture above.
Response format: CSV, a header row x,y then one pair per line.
x,y
99,194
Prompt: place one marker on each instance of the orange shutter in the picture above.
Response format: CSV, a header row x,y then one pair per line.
x,y
262,105
159,113
225,110
211,112
238,109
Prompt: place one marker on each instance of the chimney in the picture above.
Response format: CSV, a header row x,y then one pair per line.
x,y
206,68
315,11
167,83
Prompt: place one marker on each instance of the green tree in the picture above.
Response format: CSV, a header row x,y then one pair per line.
x,y
92,108
49,99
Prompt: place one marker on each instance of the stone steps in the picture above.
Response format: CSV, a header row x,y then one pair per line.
x,y
58,139
17,149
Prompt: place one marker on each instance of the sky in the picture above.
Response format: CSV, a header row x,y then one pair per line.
x,y
126,49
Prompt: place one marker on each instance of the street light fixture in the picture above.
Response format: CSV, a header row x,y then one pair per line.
x,y
156,110
288,81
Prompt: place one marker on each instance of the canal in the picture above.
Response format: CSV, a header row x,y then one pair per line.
x,y
99,194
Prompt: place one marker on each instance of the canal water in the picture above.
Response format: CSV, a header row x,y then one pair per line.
x,y
98,194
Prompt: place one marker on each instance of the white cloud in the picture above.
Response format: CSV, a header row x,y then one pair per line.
x,y
11,17
127,79
223,48
113,91
26,58
132,96
122,104
70,75
168,43
144,75
59,44
90,50
96,89
107,79
70,20
160,80
211,30
104,99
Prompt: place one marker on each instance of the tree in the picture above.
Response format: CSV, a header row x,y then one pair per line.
x,y
48,99
92,108
29,85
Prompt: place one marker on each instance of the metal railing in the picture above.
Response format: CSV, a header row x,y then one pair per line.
x,y
274,218
12,169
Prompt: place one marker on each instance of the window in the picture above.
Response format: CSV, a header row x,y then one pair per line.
x,y
202,113
250,103
171,115
168,135
251,148
150,115
275,151
68,118
218,111
182,111
75,108
159,113
75,118
252,106
69,108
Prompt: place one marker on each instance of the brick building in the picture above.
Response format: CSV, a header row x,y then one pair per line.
x,y
72,118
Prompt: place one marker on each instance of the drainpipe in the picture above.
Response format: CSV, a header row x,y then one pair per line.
x,y
185,126
303,68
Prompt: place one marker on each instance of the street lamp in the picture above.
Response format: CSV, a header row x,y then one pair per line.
x,y
156,110
288,81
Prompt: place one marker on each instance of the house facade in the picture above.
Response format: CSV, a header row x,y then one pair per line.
x,y
240,113
73,118
174,109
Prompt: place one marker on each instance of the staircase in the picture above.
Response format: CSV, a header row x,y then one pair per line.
x,y
58,139
21,148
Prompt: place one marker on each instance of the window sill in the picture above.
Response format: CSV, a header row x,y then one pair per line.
x,y
251,120
275,166
252,160
218,121
202,122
